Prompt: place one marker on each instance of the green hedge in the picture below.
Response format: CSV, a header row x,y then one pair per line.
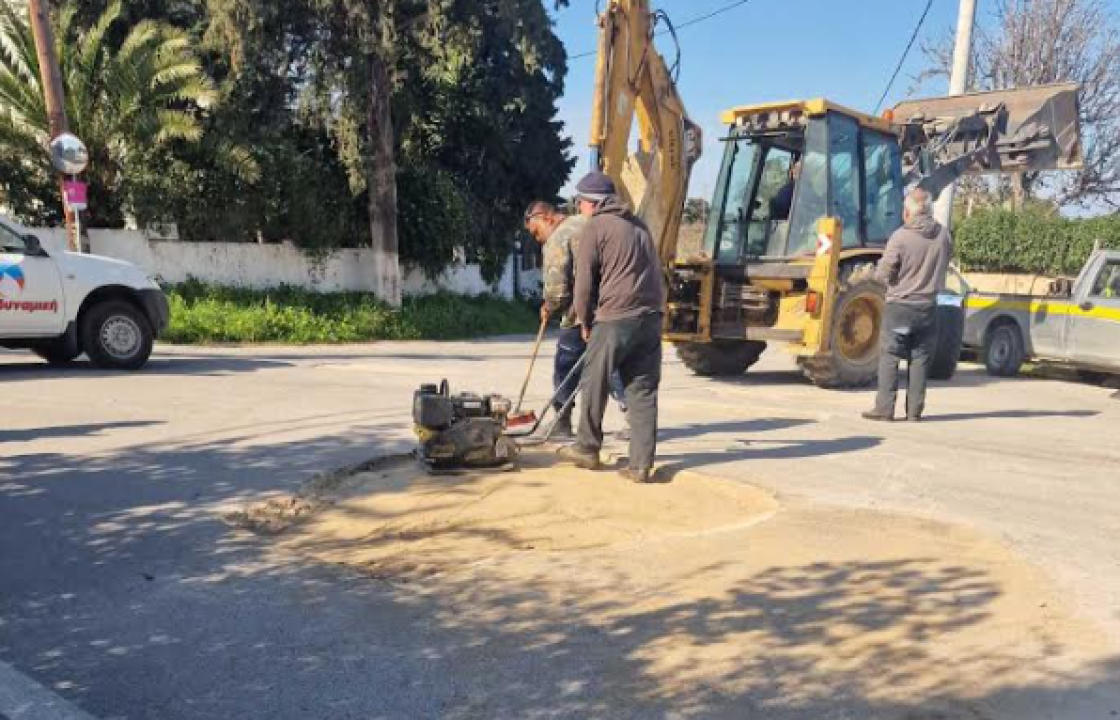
x,y
207,314
1032,240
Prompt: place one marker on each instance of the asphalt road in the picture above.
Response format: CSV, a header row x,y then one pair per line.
x,y
122,591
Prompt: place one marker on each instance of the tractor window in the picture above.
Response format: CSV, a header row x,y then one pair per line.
x,y
725,236
882,182
843,157
766,232
810,201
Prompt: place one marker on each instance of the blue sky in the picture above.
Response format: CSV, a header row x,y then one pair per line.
x,y
768,50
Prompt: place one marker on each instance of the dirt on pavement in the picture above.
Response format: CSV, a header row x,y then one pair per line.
x,y
700,596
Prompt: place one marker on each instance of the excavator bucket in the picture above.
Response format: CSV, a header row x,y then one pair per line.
x,y
1027,129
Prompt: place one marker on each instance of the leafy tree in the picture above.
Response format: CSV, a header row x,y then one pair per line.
x,y
131,102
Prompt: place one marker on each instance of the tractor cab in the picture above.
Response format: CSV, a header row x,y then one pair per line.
x,y
786,165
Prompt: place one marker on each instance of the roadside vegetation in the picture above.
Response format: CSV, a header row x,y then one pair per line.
x,y
203,314
1032,240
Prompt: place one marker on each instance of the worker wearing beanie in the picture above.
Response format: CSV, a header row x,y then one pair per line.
x,y
619,298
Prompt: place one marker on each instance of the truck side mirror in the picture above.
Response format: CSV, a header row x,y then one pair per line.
x,y
34,247
1061,288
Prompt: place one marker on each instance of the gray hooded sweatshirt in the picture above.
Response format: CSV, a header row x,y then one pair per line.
x,y
915,261
618,271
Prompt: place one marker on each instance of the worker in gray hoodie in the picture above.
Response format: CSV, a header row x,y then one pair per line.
x,y
619,298
913,268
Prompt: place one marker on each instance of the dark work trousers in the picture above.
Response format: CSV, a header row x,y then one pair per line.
x,y
632,347
909,333
569,349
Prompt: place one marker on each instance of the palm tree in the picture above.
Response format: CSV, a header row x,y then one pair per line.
x,y
129,102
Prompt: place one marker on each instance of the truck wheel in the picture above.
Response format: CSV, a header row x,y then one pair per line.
x,y
1003,350
720,357
856,322
116,335
950,337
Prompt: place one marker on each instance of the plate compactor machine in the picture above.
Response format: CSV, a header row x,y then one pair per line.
x,y
461,431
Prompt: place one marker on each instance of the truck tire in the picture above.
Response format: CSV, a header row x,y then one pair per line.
x,y
1003,350
116,335
57,352
856,322
950,339
720,357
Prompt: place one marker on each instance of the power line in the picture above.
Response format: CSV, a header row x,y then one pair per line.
x,y
678,26
902,60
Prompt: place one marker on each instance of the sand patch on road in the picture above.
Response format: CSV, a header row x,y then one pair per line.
x,y
703,598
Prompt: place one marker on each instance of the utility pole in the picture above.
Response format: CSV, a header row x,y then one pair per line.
x,y
51,79
958,84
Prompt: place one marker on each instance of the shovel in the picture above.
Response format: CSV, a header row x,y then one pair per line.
x,y
524,429
518,418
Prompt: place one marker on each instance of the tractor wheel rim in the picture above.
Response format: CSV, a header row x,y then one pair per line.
x,y
120,337
858,326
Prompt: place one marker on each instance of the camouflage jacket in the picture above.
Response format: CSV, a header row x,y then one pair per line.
x,y
559,268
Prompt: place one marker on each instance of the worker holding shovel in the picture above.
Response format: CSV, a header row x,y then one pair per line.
x,y
557,233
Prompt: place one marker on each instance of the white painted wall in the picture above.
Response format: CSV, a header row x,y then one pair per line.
x,y
256,266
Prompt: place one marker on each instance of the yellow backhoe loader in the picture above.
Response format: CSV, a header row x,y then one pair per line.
x,y
807,195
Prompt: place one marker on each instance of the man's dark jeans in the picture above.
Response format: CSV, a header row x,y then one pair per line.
x,y
569,349
632,348
909,333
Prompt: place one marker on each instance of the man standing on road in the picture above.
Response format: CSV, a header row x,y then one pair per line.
x,y
619,299
913,268
557,233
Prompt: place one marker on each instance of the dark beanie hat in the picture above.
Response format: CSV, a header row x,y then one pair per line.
x,y
595,186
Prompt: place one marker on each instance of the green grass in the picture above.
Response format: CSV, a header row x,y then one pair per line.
x,y
203,314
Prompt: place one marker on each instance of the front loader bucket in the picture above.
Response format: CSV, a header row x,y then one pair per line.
x,y
1027,129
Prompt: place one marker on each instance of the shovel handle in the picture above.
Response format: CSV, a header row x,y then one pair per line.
x,y
532,361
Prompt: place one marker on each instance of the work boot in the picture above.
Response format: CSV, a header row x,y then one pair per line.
x,y
562,429
586,459
878,416
635,476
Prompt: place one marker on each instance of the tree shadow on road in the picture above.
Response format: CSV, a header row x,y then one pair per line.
x,y
1009,415
70,431
776,449
135,600
212,365
757,425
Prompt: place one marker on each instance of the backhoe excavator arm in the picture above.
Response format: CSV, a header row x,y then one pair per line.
x,y
1019,130
631,78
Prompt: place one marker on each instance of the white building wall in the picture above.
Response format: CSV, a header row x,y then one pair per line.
x,y
257,266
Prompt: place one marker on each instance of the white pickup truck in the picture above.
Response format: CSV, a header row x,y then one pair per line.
x,y
61,304
1074,324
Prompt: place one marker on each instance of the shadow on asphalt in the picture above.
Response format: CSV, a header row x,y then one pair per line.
x,y
1010,415
680,432
137,601
171,366
70,431
772,449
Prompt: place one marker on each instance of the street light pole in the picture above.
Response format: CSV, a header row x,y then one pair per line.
x,y
958,85
51,79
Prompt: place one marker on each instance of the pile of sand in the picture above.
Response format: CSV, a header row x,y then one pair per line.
x,y
396,519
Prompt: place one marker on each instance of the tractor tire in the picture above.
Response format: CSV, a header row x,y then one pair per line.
x,y
856,322
720,357
950,340
116,335
1003,350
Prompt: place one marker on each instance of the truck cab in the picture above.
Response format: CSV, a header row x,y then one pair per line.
x,y
1076,324
60,304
